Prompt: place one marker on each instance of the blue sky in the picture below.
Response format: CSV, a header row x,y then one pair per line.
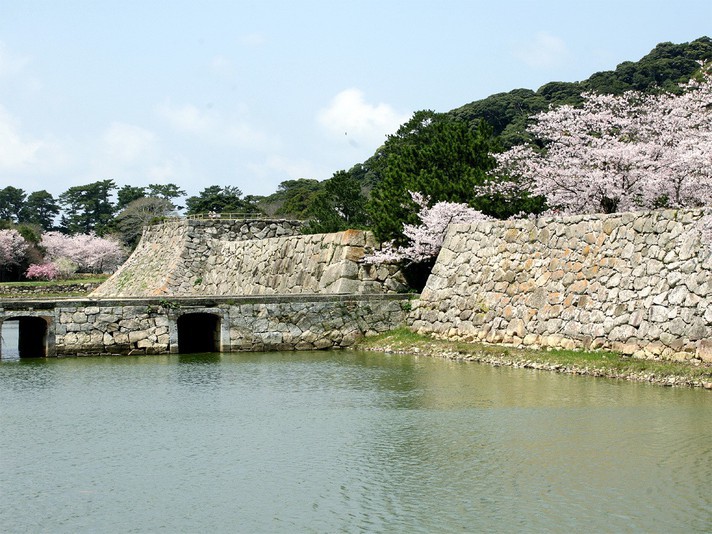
x,y
252,93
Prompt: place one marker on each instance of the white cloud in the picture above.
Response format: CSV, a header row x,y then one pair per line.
x,y
126,143
217,130
163,173
130,155
187,118
16,151
293,168
543,51
349,115
243,135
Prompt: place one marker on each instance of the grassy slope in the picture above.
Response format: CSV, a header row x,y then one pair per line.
x,y
53,288
602,364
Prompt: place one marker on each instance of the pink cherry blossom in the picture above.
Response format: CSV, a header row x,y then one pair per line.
x,y
13,248
426,239
619,153
44,271
89,252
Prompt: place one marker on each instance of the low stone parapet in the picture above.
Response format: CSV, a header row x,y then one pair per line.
x,y
154,326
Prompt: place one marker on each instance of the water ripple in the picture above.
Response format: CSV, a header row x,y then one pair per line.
x,y
344,442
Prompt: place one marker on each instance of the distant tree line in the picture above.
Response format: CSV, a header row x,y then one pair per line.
x,y
102,208
94,224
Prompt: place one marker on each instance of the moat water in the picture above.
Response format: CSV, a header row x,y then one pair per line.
x,y
344,442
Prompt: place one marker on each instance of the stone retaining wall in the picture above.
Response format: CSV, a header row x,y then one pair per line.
x,y
639,283
220,258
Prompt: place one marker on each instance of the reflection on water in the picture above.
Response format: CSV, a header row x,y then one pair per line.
x,y
199,370
8,340
342,441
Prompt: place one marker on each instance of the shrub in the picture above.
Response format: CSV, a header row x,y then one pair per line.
x,y
44,271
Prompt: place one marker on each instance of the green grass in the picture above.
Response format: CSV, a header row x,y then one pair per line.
x,y
50,288
588,362
94,278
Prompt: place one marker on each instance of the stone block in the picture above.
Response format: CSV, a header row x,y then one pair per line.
x,y
353,238
135,336
538,298
79,318
516,327
704,350
344,286
677,295
354,254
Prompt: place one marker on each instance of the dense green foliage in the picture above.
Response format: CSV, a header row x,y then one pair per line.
x,y
433,154
129,193
12,201
38,208
88,208
341,204
41,209
292,198
217,199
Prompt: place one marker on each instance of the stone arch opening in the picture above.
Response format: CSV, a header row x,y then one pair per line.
x,y
31,336
198,332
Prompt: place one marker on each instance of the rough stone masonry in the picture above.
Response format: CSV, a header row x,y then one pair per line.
x,y
251,284
188,257
638,283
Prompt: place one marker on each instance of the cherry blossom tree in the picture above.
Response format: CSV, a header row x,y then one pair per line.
x,y
89,252
13,248
618,153
426,239
42,271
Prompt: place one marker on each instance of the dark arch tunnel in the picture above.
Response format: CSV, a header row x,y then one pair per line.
x,y
32,336
198,332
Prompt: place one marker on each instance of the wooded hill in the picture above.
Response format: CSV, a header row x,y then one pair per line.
x,y
505,115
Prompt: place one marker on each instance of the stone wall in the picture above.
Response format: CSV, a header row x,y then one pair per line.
x,y
12,290
151,326
639,283
320,263
221,258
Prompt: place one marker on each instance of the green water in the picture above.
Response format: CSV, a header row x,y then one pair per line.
x,y
344,442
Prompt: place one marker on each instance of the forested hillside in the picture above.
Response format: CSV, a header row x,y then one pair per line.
x,y
424,152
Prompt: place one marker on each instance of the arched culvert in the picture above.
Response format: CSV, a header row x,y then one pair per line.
x,y
32,337
198,332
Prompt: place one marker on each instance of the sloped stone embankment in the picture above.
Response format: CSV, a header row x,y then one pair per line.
x,y
185,258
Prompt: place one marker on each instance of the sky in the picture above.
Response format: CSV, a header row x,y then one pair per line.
x,y
253,93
